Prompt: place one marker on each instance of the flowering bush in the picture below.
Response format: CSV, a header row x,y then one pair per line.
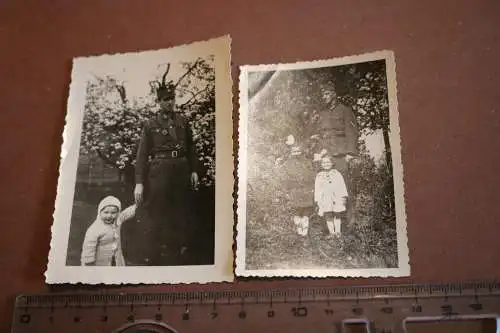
x,y
111,130
113,123
201,116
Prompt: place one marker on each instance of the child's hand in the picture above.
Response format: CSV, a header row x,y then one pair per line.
x,y
127,214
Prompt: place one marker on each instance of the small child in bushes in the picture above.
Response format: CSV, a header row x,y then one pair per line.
x,y
330,195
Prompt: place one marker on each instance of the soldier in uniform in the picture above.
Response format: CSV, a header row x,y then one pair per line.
x,y
338,133
165,175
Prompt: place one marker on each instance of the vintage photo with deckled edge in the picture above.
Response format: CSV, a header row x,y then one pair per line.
x,y
146,172
320,177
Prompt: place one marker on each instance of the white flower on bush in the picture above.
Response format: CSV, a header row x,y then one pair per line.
x,y
113,127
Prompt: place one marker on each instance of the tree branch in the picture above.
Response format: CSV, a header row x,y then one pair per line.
x,y
105,159
162,83
154,86
194,95
121,90
189,70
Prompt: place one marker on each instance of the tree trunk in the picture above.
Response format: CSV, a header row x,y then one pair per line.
x,y
388,154
129,175
128,180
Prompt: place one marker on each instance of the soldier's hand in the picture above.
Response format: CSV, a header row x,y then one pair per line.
x,y
194,180
138,193
348,157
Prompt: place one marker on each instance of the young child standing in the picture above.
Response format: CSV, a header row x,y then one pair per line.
x,y
330,195
102,245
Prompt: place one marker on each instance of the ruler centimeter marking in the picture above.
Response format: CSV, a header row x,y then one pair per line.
x,y
387,308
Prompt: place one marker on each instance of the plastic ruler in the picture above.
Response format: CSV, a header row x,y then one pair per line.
x,y
462,307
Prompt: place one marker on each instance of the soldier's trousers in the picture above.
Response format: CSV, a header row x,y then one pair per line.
x,y
165,214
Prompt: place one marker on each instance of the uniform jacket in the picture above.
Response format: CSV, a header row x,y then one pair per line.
x,y
338,130
160,135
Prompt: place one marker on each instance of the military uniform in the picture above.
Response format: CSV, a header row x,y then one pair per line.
x,y
165,159
338,133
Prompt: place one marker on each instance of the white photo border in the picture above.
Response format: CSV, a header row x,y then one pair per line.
x,y
222,269
403,268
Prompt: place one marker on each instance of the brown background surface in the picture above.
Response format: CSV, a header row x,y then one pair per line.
x,y
447,55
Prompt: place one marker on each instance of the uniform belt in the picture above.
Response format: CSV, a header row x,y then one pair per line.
x,y
170,154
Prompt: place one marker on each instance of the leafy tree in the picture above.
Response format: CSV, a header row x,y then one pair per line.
x,y
281,172
199,109
363,86
280,169
113,122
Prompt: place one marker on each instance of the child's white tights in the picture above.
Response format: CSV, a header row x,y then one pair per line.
x,y
334,226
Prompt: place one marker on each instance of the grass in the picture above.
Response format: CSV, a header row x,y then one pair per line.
x,y
273,243
82,217
274,198
85,210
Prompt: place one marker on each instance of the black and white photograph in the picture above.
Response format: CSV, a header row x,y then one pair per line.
x,y
320,178
145,186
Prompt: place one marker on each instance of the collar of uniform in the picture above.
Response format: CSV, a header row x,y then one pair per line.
x,y
166,120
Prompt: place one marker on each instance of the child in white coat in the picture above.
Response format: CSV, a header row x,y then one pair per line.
x,y
330,195
102,245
